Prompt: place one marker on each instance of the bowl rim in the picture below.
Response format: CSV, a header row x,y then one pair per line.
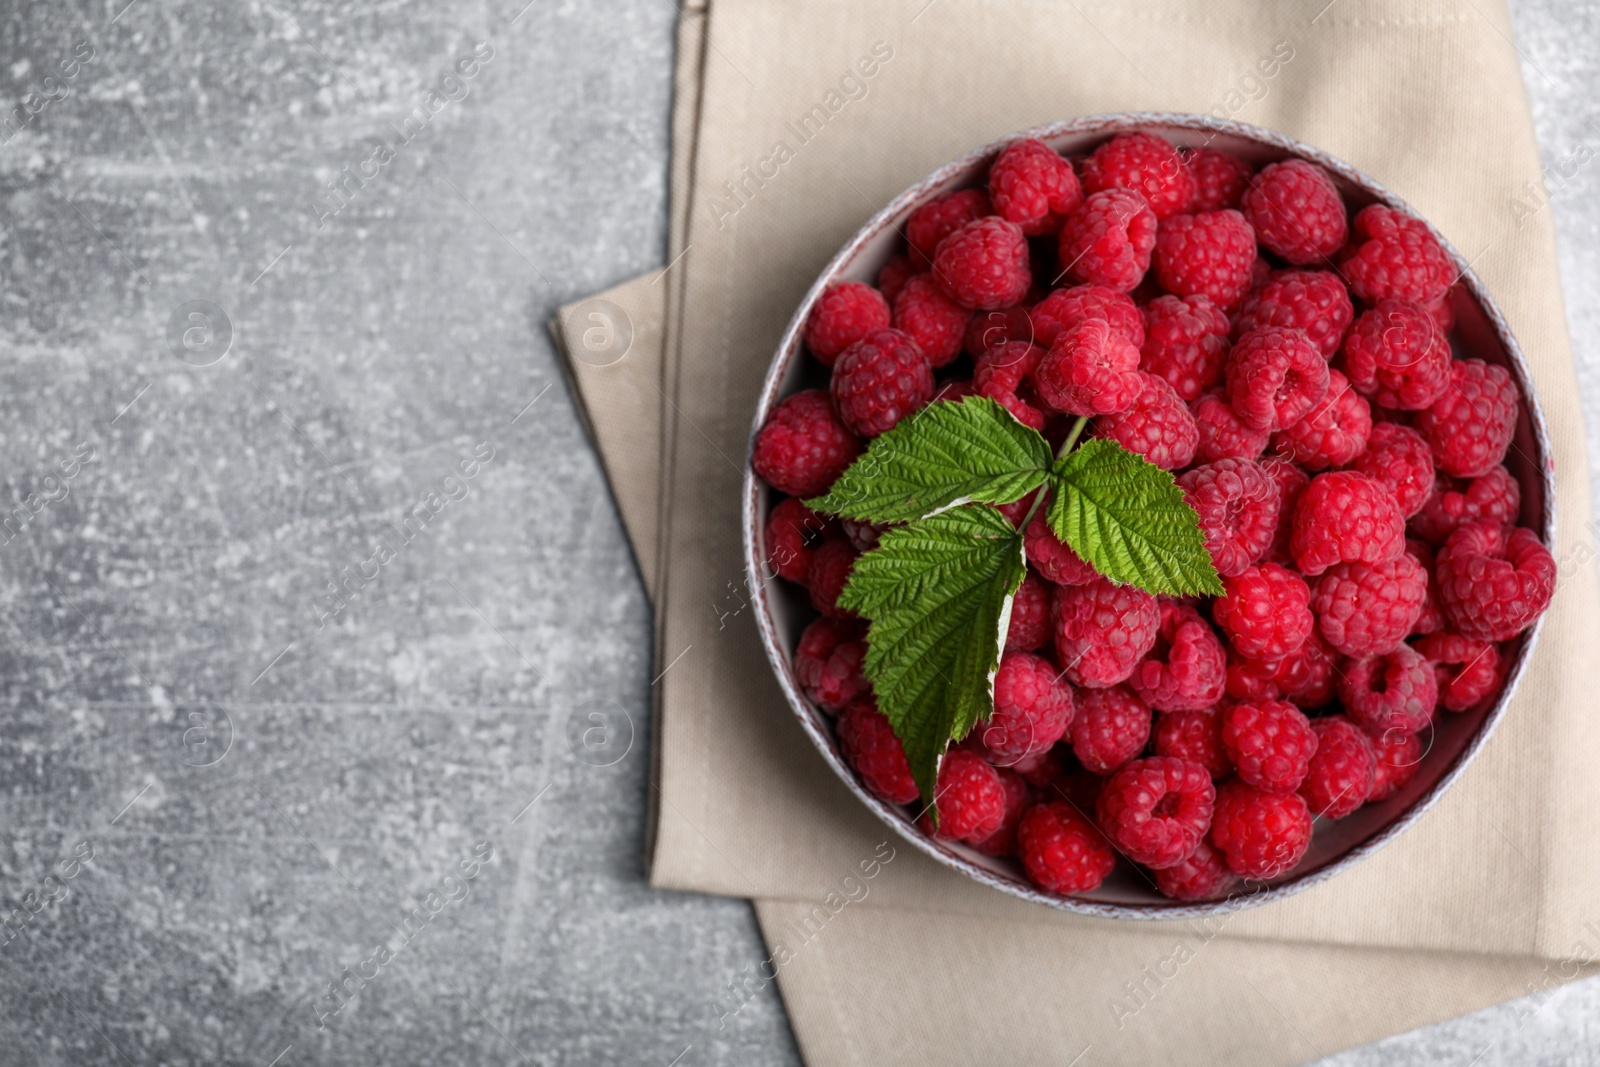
x,y
790,348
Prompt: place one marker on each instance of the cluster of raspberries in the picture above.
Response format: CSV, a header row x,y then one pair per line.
x,y
1290,363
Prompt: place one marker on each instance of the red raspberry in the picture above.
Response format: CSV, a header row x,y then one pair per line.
x,y
880,380
1158,426
1222,434
1054,558
1270,743
1032,709
828,663
1332,433
1033,187
1156,811
939,218
1219,180
990,329
1493,584
1186,668
1185,342
1296,211
1102,631
1393,691
1000,375
936,323
1209,254
1398,457
1346,517
1275,377
1108,240
1196,736
970,798
1090,370
1342,770
793,532
1396,256
1493,496
1030,615
1062,851
1291,482
1397,355
1399,754
1065,308
894,275
1306,676
1314,301
1467,671
1204,875
1003,842
984,264
1110,727
1431,619
1145,164
1040,770
827,575
870,746
1238,507
804,447
1265,611
1366,609
1469,427
1443,310
863,536
843,315
1260,834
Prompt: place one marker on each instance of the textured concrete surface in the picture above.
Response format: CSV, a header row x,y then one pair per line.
x,y
312,586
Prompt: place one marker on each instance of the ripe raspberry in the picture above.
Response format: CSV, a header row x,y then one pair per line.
x,y
1030,615
863,536
826,577
1313,301
1209,254
1065,308
1222,434
990,329
1431,618
1090,370
1040,770
1291,482
892,278
1032,709
843,315
1203,876
1196,736
804,447
984,264
1062,851
1238,507
1393,691
936,323
1366,609
1467,671
1158,426
1398,457
1399,754
1469,427
1491,497
1346,517
1396,256
1266,611
793,532
1296,211
939,218
1270,743
1219,179
1102,631
1397,355
1185,342
1493,584
1000,374
1443,310
1157,810
870,746
1108,240
1003,842
1186,668
1332,433
1110,727
1055,560
1033,187
1260,834
1306,676
1275,377
880,380
828,663
1145,164
1342,770
970,798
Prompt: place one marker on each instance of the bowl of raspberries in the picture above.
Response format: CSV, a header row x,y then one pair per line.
x,y
1148,515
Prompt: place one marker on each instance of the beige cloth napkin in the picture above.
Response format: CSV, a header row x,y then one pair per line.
x,y
1426,96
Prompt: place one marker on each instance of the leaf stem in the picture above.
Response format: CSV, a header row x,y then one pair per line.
x,y
1072,436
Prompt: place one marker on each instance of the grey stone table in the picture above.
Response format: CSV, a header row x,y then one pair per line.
x,y
308,567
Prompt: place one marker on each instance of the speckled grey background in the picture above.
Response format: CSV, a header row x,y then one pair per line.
x,y
311,580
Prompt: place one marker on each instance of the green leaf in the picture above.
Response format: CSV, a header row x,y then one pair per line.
x,y
934,591
1128,519
946,454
